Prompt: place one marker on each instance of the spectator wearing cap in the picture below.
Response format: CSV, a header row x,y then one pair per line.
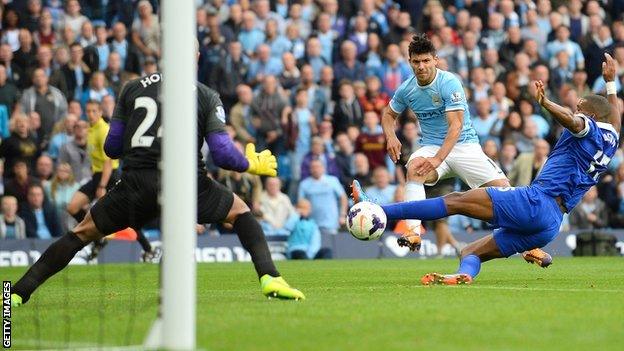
x,y
146,30
563,42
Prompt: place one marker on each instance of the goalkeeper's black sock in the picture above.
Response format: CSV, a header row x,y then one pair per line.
x,y
80,215
55,258
251,236
145,244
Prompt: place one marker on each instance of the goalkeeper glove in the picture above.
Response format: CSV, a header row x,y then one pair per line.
x,y
260,163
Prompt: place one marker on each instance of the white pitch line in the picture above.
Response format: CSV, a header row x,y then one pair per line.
x,y
72,345
538,289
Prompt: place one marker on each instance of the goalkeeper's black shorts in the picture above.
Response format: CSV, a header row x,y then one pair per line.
x,y
134,201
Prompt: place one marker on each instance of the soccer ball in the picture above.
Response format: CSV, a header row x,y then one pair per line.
x,y
366,221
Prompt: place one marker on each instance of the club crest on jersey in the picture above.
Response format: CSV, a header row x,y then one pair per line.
x,y
436,100
456,97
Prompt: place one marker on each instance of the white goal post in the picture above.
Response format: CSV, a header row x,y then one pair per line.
x,y
176,329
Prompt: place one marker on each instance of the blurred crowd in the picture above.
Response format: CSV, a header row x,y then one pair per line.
x,y
309,80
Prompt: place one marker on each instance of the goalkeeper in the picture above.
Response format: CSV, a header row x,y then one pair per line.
x,y
135,136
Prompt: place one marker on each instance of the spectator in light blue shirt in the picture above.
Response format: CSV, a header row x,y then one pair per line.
x,y
527,112
250,36
40,216
563,42
103,50
484,120
277,42
328,198
264,64
63,136
382,192
304,241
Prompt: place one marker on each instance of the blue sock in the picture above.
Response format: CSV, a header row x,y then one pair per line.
x,y
425,210
470,265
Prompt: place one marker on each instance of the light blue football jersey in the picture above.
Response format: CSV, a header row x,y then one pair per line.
x,y
576,161
430,104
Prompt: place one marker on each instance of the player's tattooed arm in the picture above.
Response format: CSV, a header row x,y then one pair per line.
x,y
564,116
388,124
609,69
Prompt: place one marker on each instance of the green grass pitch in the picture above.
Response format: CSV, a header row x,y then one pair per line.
x,y
576,304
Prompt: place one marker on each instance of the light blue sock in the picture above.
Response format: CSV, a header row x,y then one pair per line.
x,y
470,265
425,210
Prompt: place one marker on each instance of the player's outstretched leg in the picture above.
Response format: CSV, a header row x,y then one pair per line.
x,y
409,239
252,238
54,259
473,255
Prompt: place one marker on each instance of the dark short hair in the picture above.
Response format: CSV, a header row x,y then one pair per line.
x,y
421,44
597,105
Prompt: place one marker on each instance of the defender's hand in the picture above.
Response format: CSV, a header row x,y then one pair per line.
x,y
393,146
540,94
609,67
428,164
262,163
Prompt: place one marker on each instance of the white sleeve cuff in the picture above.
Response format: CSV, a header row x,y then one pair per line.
x,y
585,130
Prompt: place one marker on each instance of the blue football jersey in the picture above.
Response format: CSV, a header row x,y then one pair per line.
x,y
577,160
430,104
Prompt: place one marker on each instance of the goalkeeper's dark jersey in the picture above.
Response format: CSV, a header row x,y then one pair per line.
x,y
139,107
